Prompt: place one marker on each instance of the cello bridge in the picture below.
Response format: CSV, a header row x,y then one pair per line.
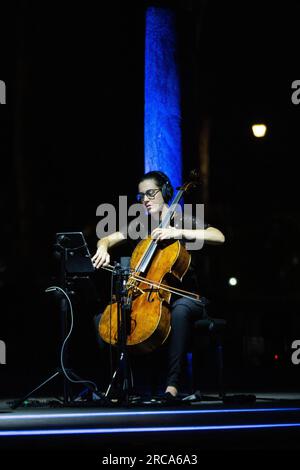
x,y
131,285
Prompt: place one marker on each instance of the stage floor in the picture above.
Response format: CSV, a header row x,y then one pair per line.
x,y
272,421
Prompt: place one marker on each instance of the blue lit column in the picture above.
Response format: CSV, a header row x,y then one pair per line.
x,y
162,96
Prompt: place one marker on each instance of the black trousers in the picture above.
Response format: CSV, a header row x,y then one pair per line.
x,y
184,313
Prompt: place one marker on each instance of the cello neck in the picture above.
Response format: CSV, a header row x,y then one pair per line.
x,y
167,218
146,258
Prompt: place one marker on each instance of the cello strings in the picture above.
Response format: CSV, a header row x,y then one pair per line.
x,y
146,258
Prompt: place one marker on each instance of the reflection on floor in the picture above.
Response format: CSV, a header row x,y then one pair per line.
x,y
240,421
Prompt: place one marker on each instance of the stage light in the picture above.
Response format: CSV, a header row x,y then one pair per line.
x,y
259,130
276,357
145,429
232,281
83,415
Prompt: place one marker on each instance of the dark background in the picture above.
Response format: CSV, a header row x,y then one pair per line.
x,y
71,138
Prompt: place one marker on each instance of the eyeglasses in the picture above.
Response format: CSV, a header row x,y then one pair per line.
x,y
150,193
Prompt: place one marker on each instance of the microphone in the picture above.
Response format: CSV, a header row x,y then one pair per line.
x,y
125,265
60,244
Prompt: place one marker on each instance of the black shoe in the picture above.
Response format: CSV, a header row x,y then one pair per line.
x,y
169,397
166,397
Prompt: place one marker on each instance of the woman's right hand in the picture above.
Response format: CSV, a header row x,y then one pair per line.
x,y
101,257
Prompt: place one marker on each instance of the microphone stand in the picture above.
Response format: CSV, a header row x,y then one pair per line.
x,y
122,272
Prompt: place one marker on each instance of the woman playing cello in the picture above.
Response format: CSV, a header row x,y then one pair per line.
x,y
155,193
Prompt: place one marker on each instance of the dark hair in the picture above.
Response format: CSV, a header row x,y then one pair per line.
x,y
162,181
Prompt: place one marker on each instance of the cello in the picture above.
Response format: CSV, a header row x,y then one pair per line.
x,y
154,267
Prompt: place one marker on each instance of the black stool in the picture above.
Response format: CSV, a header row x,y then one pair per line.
x,y
214,327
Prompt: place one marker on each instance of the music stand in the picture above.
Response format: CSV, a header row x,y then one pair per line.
x,y
75,262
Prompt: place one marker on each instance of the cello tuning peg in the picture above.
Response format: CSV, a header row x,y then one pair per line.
x,y
195,177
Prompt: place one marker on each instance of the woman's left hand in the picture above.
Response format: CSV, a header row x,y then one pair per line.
x,y
166,233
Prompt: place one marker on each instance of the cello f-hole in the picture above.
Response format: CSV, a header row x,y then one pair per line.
x,y
149,296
